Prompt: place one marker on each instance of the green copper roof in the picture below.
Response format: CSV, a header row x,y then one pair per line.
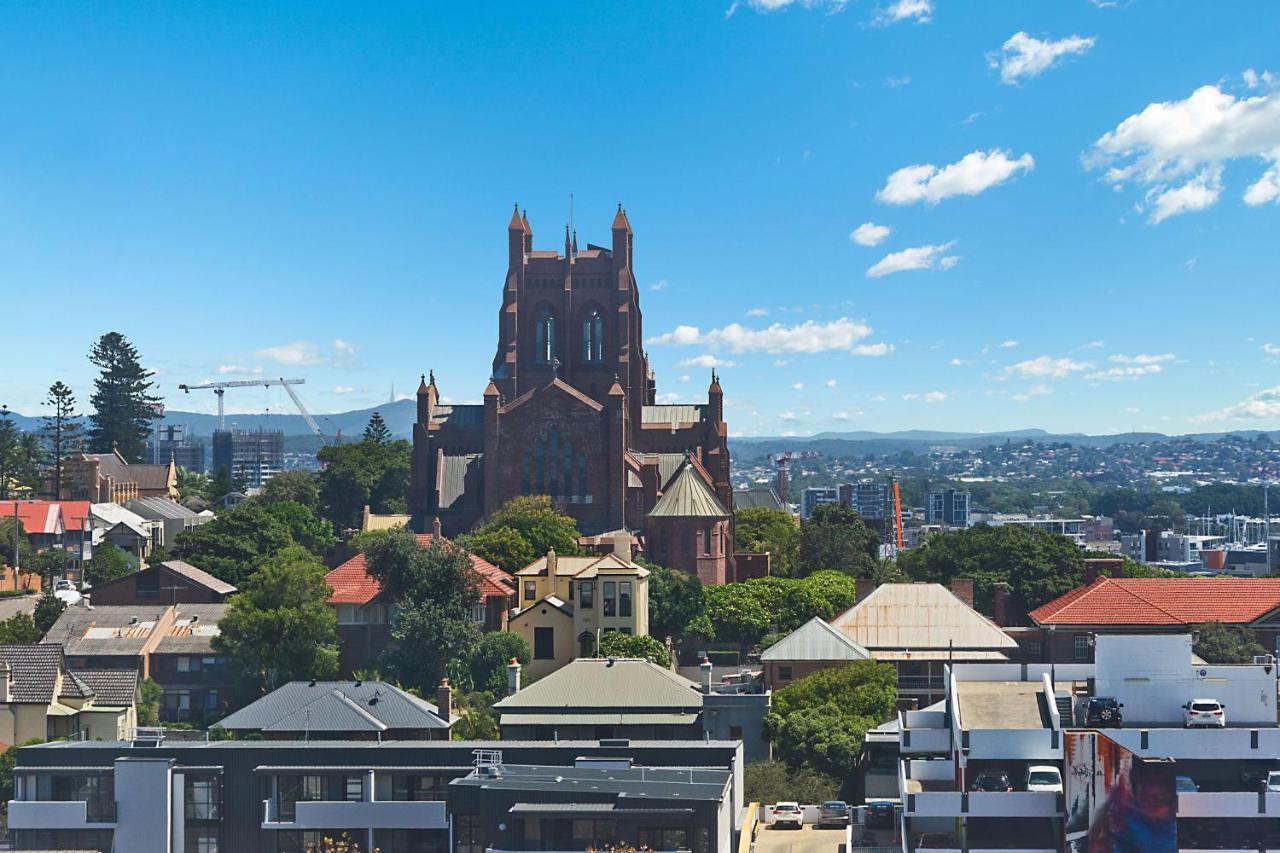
x,y
689,496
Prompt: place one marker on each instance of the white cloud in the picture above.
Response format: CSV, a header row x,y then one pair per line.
x,y
1039,390
1263,404
1045,367
973,173
707,360
659,285
238,369
1135,367
916,258
1131,410
1171,140
766,6
1023,55
897,82
919,11
840,416
343,389
1094,345
879,398
956,362
928,396
873,350
799,386
1008,344
808,337
295,354
1142,359
1271,349
870,234
683,379
343,349
787,416
667,398
1254,80
757,312
831,383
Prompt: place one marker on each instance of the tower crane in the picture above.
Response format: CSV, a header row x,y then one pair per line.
x,y
220,389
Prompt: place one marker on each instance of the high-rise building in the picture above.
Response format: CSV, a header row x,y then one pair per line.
x,y
171,441
815,496
948,507
249,456
869,499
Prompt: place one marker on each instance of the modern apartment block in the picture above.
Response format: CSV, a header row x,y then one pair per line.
x,y
948,507
815,496
397,797
253,456
172,442
869,499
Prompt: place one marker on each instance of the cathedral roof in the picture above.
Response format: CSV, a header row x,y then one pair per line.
x,y
516,224
676,413
620,221
689,496
554,383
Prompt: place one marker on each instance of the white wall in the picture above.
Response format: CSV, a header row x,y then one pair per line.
x,y
1153,675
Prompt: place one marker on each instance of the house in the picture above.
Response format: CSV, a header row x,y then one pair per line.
x,y
921,627
813,646
364,618
123,528
42,521
567,603
172,516
172,645
631,699
1068,625
344,710
110,478
41,698
171,582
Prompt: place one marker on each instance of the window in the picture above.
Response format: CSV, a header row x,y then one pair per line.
x,y
353,789
478,613
663,839
545,337
530,590
1032,648
418,788
586,645
349,614
610,598
466,834
202,797
184,664
1080,648
624,598
706,541
687,540
596,832
593,337
204,840
784,673
587,595
544,645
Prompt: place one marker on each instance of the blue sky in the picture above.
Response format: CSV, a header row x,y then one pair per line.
x,y
1080,200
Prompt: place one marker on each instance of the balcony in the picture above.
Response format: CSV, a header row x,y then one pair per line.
x,y
377,814
913,741
1229,804
59,814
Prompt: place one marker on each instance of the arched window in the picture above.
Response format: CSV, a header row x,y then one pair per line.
x,y
544,334
593,337
586,645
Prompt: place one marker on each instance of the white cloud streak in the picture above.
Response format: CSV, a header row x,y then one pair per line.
x,y
916,258
1264,404
972,174
870,234
1045,367
807,337
1023,55
917,11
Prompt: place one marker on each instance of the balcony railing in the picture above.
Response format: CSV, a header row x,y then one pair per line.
x,y
60,814
984,804
374,814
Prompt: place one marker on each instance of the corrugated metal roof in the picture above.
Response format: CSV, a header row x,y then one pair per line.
x,y
147,476
159,508
918,616
815,640
689,496
676,413
459,480
623,684
756,497
461,417
199,576
599,718
336,706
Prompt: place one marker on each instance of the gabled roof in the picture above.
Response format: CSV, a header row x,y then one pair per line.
x,y
145,475
757,496
585,567
1163,601
688,496
815,640
37,517
74,514
336,706
114,515
157,507
352,583
553,601
33,672
112,687
914,617
558,384
597,684
199,576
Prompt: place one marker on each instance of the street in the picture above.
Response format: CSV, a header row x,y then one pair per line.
x,y
806,840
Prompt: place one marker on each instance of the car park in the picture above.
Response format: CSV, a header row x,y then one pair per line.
x,y
833,813
1273,781
881,814
1185,785
992,780
1103,712
1044,777
787,814
1204,713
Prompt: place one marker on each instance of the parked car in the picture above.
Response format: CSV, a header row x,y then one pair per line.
x,y
787,814
1185,785
833,813
881,814
1044,777
1103,712
1273,781
1204,713
992,780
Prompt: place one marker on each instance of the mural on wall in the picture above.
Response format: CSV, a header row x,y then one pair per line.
x,y
1118,802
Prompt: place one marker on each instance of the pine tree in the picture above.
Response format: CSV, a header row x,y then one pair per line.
x,y
20,457
63,434
377,431
9,436
123,405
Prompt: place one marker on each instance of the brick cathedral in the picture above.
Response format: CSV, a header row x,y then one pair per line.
x,y
570,412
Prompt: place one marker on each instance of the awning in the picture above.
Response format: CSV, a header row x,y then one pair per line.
x,y
606,809
58,710
599,719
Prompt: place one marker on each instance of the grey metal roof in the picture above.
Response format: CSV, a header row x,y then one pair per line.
x,y
336,706
199,576
459,480
33,671
640,783
688,496
599,718
461,417
677,413
104,630
586,685
193,629
815,640
158,508
110,686
755,497
147,476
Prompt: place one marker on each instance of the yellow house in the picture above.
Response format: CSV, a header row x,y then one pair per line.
x,y
565,604
40,698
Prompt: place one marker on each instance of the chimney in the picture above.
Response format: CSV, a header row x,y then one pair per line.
x,y
962,588
551,564
5,685
704,669
444,700
864,587
622,545
1103,567
435,528
1000,603
513,677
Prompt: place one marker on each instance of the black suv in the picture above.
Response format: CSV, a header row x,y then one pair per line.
x,y
1103,712
992,780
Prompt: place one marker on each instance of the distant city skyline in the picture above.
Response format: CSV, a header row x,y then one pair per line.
x,y
917,214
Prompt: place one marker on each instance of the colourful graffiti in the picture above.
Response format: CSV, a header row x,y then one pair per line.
x,y
1118,802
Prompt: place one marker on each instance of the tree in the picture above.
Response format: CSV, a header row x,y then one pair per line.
x,y
19,630
835,537
734,613
362,474
280,627
675,600
234,544
123,405
477,718
48,564
775,781
8,524
63,434
297,486
197,484
20,458
539,525
377,431
493,655
149,695
305,529
48,609
108,563
1219,643
615,644
759,529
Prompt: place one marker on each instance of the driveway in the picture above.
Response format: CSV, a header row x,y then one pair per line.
x,y
806,840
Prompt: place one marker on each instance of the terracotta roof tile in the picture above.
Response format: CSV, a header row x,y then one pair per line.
x,y
1163,601
352,583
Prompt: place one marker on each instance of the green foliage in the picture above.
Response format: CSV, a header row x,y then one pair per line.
x,y
539,525
25,552
492,656
48,564
363,473
123,405
759,529
21,458
734,613
149,695
62,434
769,782
745,612
376,430
835,537
1038,566
675,600
615,644
304,528
48,609
1220,643
297,486
820,721
478,719
19,630
234,544
108,563
280,628
195,484
426,635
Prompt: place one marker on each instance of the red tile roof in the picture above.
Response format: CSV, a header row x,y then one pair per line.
x,y
1163,601
352,583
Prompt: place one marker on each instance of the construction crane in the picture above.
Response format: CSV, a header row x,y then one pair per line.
x,y
220,389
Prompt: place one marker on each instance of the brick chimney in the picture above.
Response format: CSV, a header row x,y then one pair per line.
x,y
6,686
1103,567
962,588
513,677
444,700
435,528
704,669
1000,603
622,545
864,587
